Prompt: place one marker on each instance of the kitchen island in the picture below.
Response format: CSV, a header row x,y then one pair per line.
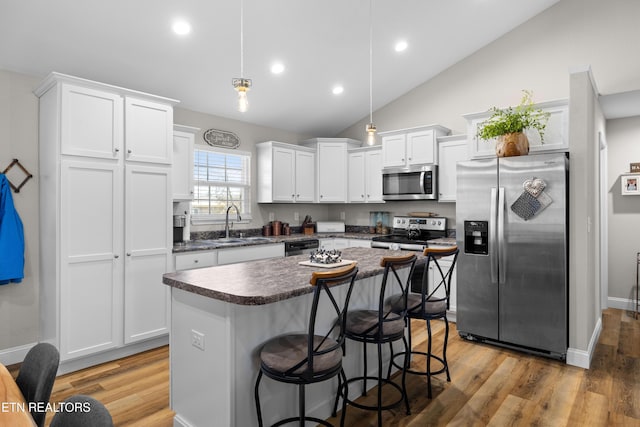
x,y
221,315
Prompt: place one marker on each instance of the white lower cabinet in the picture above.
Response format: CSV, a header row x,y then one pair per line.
x,y
91,266
198,259
250,253
147,239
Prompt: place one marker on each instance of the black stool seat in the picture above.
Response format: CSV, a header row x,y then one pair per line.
x,y
287,356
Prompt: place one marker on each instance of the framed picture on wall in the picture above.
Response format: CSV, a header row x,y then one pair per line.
x,y
630,185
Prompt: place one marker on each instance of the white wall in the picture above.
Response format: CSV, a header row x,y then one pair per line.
x,y
536,55
623,136
19,140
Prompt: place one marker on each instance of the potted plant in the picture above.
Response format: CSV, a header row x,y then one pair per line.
x,y
508,126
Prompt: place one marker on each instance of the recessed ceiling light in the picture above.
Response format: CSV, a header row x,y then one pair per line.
x,y
401,46
277,68
337,90
181,28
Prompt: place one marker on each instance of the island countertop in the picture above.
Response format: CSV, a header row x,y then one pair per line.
x,y
270,280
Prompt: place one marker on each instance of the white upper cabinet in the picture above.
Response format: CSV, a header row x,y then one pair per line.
x,y
286,173
332,167
365,175
409,147
182,178
91,122
148,131
451,150
305,177
556,135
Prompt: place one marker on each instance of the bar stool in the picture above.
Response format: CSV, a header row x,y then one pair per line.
x,y
306,358
430,304
379,326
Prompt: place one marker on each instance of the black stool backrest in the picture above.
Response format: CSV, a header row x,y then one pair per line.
x,y
391,266
323,282
441,278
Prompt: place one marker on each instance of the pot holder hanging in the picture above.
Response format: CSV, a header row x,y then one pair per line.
x,y
532,200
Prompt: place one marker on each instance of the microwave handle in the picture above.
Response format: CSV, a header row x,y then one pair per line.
x,y
422,174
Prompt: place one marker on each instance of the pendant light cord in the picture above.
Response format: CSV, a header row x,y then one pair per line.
x,y
370,61
242,39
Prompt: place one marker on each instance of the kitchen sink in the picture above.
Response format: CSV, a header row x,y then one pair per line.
x,y
258,239
228,241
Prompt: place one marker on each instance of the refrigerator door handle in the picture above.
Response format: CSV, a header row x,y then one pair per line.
x,y
493,253
502,253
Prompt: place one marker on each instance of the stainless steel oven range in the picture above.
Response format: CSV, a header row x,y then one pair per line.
x,y
412,233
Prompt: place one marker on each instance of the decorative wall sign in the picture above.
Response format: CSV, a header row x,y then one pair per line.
x,y
221,138
634,167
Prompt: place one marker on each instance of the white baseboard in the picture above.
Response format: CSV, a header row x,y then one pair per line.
x,y
621,303
107,356
11,356
582,358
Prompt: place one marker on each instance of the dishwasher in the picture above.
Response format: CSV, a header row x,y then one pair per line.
x,y
299,247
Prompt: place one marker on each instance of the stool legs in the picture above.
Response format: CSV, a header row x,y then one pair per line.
x,y
257,398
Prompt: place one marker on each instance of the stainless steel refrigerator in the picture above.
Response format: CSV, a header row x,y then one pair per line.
x,y
512,232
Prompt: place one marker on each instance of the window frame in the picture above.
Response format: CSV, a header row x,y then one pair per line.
x,y
202,219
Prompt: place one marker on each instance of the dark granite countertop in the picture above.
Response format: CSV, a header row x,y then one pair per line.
x,y
270,280
210,244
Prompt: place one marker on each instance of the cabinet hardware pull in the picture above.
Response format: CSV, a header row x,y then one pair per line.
x,y
129,151
117,150
128,253
116,256
195,261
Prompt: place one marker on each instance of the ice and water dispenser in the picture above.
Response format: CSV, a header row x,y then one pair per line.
x,y
476,237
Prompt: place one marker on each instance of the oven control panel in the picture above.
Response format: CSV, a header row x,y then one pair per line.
x,y
430,224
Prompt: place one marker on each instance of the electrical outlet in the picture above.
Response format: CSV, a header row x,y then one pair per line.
x,y
342,215
272,216
197,339
296,216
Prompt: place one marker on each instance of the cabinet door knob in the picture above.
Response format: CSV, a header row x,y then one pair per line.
x,y
128,253
195,261
321,196
293,196
409,158
297,195
368,195
129,151
117,150
362,196
116,256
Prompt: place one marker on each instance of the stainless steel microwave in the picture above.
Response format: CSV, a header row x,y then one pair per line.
x,y
413,183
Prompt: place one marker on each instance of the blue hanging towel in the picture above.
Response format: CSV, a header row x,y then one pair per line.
x,y
11,237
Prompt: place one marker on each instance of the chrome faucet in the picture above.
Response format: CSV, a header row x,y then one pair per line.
x,y
226,220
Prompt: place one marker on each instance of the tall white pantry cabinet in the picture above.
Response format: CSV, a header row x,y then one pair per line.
x,y
105,215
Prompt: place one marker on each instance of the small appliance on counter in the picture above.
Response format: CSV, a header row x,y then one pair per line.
x,y
330,227
179,223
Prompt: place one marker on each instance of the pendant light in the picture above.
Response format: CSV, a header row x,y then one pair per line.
x,y
241,84
370,127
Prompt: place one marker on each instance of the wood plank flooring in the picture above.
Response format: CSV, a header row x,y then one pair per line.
x,y
489,386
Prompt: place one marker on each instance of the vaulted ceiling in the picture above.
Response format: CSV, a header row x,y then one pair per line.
x,y
321,44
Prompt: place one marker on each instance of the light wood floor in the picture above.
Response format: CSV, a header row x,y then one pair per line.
x,y
489,386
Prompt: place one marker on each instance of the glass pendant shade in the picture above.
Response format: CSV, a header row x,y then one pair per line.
x,y
242,86
371,134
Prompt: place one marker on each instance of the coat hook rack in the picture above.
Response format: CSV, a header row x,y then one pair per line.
x,y
15,162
